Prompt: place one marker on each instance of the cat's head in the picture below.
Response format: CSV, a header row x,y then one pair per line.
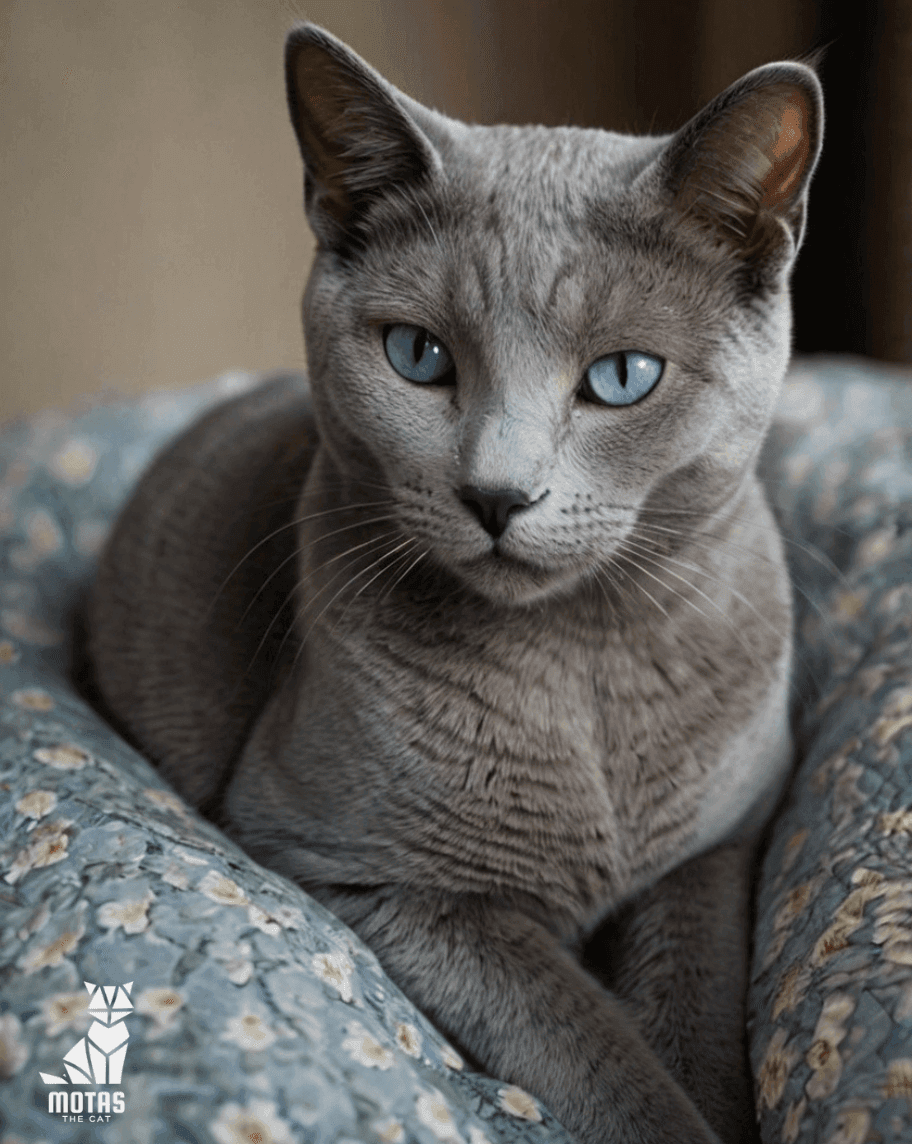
x,y
534,338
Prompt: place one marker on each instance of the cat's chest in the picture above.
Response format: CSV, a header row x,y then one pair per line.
x,y
562,761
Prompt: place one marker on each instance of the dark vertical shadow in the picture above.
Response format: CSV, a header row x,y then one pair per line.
x,y
829,292
888,170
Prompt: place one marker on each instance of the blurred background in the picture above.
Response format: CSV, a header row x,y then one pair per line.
x,y
151,233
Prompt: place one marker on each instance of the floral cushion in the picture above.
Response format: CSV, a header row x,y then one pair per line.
x,y
831,998
250,1013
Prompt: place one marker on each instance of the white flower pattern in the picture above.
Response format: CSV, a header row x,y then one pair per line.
x,y
362,1047
336,970
434,1113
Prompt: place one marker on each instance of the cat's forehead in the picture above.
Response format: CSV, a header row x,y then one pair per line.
x,y
548,221
544,170
526,203
534,228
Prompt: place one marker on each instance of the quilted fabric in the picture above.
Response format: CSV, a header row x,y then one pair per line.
x,y
831,1001
255,1015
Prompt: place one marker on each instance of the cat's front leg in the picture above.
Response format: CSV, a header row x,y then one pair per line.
x,y
506,990
680,954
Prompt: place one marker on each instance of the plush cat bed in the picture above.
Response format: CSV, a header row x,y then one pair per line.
x,y
253,1015
831,996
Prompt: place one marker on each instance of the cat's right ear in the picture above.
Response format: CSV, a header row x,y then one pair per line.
x,y
741,168
356,140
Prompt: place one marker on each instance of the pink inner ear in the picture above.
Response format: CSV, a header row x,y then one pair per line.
x,y
789,151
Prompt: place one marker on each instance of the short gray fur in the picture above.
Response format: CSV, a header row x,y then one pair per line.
x,y
477,749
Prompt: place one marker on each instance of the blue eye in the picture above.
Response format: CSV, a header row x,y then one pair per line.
x,y
622,378
416,354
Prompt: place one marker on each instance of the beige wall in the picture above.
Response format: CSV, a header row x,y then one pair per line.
x,y
150,225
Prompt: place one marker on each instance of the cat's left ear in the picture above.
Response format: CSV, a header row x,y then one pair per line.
x,y
743,165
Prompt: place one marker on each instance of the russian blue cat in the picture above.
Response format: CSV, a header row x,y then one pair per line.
x,y
482,634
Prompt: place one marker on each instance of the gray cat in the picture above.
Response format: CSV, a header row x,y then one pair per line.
x,y
537,671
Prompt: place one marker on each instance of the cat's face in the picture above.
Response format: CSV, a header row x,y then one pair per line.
x,y
533,340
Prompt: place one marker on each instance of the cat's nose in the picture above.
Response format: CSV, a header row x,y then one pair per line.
x,y
493,506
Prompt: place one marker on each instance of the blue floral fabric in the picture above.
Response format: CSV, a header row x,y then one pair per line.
x,y
831,999
254,1015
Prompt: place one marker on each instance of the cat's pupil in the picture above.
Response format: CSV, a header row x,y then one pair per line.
x,y
418,345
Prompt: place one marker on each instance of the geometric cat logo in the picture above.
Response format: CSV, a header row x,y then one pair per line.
x,y
98,1058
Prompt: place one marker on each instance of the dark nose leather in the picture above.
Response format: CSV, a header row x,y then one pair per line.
x,y
493,506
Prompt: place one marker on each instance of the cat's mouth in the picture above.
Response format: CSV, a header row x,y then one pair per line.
x,y
500,558
504,577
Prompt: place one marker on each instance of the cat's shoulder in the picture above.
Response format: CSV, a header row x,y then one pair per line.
x,y
234,464
178,606
254,436
277,406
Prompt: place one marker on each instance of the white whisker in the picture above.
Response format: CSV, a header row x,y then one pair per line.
x,y
283,528
669,708
644,553
388,591
368,583
660,560
691,604
708,542
386,537
323,536
436,237
409,542
809,549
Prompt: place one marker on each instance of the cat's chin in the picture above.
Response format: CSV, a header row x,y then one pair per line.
x,y
508,581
